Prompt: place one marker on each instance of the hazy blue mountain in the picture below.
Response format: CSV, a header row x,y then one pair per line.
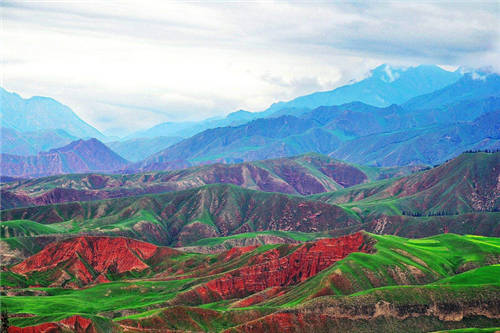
x,y
138,149
31,143
384,86
355,132
41,113
471,86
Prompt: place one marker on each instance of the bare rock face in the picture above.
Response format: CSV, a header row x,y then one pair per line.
x,y
278,268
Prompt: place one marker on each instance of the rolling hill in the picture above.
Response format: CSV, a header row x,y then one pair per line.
x,y
422,204
186,216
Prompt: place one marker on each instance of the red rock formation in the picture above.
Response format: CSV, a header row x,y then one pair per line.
x,y
88,258
271,268
76,324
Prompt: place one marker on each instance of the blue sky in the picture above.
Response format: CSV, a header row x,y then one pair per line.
x,y
127,65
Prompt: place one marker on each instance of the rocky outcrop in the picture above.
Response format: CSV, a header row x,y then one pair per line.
x,y
258,297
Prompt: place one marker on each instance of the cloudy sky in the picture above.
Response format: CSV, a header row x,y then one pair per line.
x,y
128,65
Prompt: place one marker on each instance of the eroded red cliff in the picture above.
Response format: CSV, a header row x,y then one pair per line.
x,y
280,267
90,258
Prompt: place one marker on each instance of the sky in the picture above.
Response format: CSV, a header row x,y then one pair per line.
x,y
123,66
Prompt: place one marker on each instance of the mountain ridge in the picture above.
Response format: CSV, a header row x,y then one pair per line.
x,y
305,174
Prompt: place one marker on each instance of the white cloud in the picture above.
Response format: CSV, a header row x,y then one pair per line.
x,y
125,65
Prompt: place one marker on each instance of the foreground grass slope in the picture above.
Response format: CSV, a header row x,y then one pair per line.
x,y
457,275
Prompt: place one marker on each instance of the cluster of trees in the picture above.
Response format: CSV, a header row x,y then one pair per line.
x,y
472,151
414,214
441,213
5,321
418,214
488,151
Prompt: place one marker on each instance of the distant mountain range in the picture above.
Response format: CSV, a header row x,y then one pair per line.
x,y
354,132
423,129
358,132
385,85
77,157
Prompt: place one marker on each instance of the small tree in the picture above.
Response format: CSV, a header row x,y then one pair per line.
x,y
78,327
5,321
